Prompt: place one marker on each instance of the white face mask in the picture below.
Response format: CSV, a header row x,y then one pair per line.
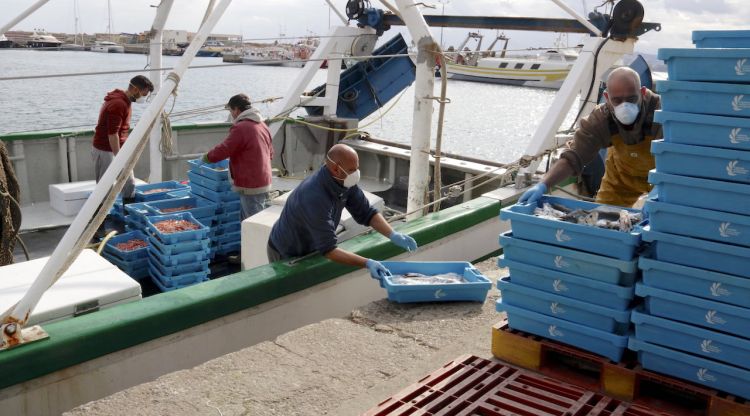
x,y
140,100
351,179
627,113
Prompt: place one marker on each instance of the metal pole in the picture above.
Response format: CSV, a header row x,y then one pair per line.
x,y
65,249
155,50
424,85
341,16
22,16
595,30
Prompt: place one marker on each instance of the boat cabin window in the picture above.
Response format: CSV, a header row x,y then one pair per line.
x,y
519,66
536,66
503,65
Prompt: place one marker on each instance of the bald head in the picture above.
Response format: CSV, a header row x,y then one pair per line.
x,y
624,77
342,160
624,85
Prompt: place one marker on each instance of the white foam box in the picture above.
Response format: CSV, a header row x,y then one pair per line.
x,y
90,284
68,198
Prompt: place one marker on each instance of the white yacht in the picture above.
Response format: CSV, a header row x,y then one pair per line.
x,y
43,40
107,47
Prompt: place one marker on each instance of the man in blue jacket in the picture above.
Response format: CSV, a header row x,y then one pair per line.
x,y
313,211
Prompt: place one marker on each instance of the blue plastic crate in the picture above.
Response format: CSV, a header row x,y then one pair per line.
x,y
721,38
181,193
137,269
201,208
570,286
688,367
185,258
691,339
218,197
568,309
699,223
181,247
708,255
208,183
227,248
140,253
704,130
142,196
234,237
711,194
705,98
603,343
696,311
168,283
225,207
707,65
591,239
475,290
227,228
604,269
228,217
218,171
719,287
174,271
172,238
702,162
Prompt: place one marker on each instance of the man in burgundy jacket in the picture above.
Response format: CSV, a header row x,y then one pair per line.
x,y
250,150
113,127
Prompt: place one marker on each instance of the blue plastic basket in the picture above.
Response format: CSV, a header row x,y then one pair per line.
x,y
218,197
699,223
174,271
141,196
208,183
227,248
599,342
228,217
705,98
605,269
702,162
171,238
708,255
591,239
707,65
168,283
137,269
568,309
703,130
140,253
691,339
225,207
181,247
701,193
696,311
721,38
475,290
137,210
217,171
696,282
185,258
202,208
227,228
181,193
234,237
570,286
688,367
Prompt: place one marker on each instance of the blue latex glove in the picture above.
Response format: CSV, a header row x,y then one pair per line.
x,y
377,270
533,194
403,241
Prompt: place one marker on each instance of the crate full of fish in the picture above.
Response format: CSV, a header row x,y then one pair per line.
x,y
712,98
715,195
208,183
695,311
702,162
688,367
218,171
719,287
707,65
703,254
580,263
434,282
691,339
693,222
721,38
705,130
201,209
597,317
128,246
218,197
595,228
156,191
175,228
599,342
570,286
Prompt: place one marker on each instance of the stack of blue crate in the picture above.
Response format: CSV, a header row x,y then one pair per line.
x,y
178,259
133,262
695,323
133,216
572,283
210,181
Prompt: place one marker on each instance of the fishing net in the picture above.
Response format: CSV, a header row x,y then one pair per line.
x,y
10,211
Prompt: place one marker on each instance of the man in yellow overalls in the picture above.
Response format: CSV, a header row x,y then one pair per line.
x,y
625,125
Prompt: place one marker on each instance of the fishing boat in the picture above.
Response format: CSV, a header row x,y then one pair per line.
x,y
93,347
212,49
106,46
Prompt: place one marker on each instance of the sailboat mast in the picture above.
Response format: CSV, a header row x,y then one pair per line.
x,y
109,19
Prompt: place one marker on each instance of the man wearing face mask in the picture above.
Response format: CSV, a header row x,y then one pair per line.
x,y
113,127
313,211
625,125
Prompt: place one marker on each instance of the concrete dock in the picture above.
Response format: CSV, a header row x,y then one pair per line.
x,y
341,366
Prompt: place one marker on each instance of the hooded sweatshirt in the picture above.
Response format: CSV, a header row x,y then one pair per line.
x,y
114,118
250,150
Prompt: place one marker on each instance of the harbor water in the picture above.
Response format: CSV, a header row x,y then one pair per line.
x,y
492,122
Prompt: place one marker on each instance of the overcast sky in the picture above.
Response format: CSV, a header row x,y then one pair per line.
x,y
268,18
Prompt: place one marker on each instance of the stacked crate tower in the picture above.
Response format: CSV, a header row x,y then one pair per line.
x,y
695,321
572,283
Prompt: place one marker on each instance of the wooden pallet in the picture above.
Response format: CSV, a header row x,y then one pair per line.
x,y
625,380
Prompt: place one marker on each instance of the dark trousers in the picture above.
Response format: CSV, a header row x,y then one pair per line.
x,y
273,255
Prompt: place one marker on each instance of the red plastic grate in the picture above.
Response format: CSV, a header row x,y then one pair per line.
x,y
472,386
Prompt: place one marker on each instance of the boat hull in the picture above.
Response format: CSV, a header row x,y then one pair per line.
x,y
108,49
551,79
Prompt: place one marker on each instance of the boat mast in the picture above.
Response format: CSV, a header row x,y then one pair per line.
x,y
24,14
109,19
156,158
